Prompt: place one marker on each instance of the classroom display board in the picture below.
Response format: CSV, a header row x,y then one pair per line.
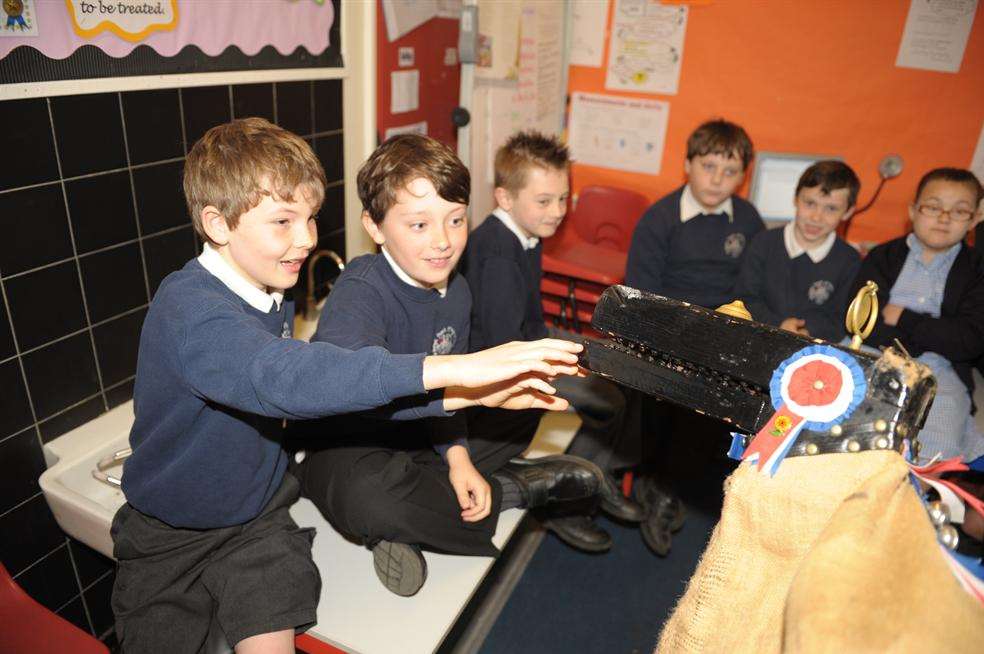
x,y
49,40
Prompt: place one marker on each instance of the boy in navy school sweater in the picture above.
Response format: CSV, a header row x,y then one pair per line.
x,y
503,268
931,294
689,245
799,277
205,543
394,486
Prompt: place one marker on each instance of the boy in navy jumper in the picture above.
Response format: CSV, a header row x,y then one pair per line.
x,y
689,245
503,268
395,486
799,277
205,545
931,290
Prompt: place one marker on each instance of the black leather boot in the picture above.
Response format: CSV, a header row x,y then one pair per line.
x,y
557,478
580,532
617,505
664,514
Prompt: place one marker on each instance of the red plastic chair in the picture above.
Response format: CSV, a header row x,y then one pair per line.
x,y
26,627
589,252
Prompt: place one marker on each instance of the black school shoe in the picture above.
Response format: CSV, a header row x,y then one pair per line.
x,y
617,505
580,532
401,567
557,478
664,514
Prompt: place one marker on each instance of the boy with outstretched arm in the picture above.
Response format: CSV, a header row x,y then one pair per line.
x,y
205,543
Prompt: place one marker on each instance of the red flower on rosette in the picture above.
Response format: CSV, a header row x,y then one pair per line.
x,y
815,384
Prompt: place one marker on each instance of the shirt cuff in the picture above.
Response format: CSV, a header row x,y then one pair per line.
x,y
442,448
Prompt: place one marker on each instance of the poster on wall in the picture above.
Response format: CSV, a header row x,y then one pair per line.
x,y
646,48
45,40
935,34
588,18
616,132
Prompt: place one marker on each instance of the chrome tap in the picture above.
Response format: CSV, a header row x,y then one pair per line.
x,y
310,301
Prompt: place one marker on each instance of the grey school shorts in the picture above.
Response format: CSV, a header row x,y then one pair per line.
x,y
175,585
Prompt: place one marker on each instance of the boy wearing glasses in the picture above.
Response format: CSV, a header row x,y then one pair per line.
x,y
931,290
798,277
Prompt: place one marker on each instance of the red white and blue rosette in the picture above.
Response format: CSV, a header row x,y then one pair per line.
x,y
816,388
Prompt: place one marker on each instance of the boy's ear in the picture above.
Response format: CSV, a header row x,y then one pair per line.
x,y
686,166
503,198
372,228
848,213
215,225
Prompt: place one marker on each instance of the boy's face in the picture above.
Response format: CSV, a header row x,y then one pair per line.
x,y
819,213
424,233
539,207
957,214
270,242
714,177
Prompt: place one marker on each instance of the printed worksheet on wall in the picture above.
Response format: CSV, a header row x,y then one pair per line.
x,y
646,49
620,133
935,34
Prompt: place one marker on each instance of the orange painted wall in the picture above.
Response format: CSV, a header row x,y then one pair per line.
x,y
814,77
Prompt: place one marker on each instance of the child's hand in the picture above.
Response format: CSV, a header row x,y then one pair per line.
x,y
549,357
891,313
795,325
525,392
473,492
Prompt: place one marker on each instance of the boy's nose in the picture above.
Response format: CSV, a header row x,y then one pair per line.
x,y
441,241
306,235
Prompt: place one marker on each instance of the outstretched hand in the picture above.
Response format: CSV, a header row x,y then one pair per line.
x,y
527,391
549,357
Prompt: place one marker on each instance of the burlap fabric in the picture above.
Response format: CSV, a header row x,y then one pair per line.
x,y
833,554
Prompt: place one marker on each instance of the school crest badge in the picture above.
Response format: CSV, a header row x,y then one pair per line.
x,y
734,245
444,341
820,291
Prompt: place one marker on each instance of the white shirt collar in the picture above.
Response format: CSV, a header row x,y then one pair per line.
x,y
407,279
690,207
794,249
213,262
528,242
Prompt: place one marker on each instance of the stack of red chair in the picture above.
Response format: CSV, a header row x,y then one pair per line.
x,y
588,254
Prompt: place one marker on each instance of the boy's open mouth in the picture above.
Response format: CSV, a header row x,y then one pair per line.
x,y
293,265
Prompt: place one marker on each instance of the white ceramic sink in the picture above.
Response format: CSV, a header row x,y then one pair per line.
x,y
82,505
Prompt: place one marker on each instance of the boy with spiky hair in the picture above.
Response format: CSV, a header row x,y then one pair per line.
x,y
799,277
205,545
503,267
689,245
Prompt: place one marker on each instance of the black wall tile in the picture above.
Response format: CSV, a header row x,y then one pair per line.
x,y
294,107
97,598
66,421
74,612
30,532
166,253
331,216
45,304
51,582
334,241
153,125
91,564
23,464
89,133
35,228
114,281
15,410
329,151
117,343
27,131
6,337
160,197
253,100
101,209
327,105
204,108
119,394
56,386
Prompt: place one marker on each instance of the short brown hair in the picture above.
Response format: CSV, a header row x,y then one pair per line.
x,y
721,137
235,164
831,175
955,175
526,150
402,159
